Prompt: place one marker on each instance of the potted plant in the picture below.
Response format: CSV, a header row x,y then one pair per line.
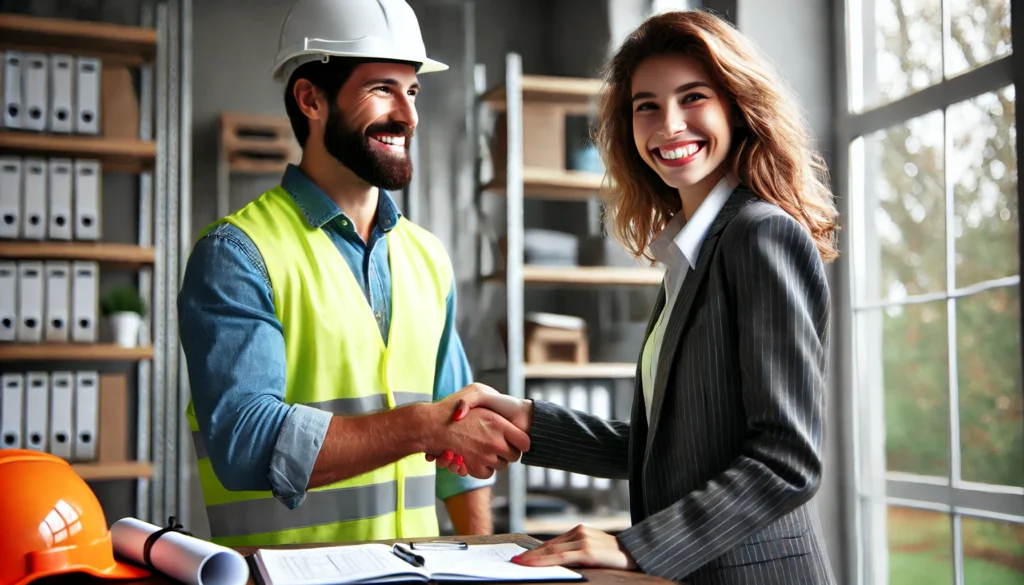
x,y
125,308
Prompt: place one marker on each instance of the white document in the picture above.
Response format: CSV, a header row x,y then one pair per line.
x,y
34,199
601,407
87,96
62,404
10,196
84,292
8,301
578,396
535,475
61,183
12,411
376,563
37,410
87,199
14,109
62,75
184,558
30,301
58,301
556,394
35,85
87,412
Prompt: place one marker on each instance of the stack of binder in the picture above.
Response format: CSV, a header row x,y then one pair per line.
x,y
51,301
56,93
55,413
50,199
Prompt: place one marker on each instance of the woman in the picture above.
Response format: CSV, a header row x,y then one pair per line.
x,y
715,177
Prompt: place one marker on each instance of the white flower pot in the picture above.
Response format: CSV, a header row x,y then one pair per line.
x,y
125,326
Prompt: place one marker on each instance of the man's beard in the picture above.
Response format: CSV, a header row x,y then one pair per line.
x,y
352,148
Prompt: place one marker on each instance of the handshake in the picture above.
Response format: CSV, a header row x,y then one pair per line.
x,y
478,431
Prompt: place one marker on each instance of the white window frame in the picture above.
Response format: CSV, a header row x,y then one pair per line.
x,y
868,489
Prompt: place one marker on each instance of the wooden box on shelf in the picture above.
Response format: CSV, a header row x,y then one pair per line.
x,y
551,338
257,143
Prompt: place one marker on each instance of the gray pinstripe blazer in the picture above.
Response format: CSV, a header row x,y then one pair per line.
x,y
721,480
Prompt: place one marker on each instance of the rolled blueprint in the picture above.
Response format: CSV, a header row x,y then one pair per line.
x,y
182,557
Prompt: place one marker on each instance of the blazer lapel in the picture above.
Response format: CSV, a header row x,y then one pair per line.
x,y
680,314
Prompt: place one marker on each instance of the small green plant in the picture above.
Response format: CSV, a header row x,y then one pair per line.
x,y
122,299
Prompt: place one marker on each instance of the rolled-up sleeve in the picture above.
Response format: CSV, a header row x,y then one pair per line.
x,y
235,355
453,374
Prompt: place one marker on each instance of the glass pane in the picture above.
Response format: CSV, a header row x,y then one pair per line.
x,y
983,166
902,48
979,31
989,378
993,552
920,547
904,200
914,351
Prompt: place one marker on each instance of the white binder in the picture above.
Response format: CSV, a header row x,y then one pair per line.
x,y
601,407
62,402
87,199
11,79
8,301
35,85
556,394
37,411
61,182
10,196
30,301
535,475
33,201
87,408
87,96
84,291
62,75
58,302
578,401
12,412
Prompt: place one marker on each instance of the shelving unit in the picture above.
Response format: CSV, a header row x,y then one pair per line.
x,y
552,97
252,144
154,58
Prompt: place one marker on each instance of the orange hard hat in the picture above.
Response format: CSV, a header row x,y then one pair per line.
x,y
51,522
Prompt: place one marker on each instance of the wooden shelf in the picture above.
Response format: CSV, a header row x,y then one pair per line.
x,y
540,183
13,352
562,523
114,43
113,470
125,154
588,276
122,255
578,371
575,93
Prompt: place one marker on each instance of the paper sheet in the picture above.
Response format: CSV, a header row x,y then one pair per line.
x,y
181,557
334,564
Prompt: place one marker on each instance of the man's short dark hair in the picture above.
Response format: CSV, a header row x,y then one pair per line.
x,y
327,77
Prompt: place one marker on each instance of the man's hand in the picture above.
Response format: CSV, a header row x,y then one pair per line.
x,y
485,440
581,547
518,412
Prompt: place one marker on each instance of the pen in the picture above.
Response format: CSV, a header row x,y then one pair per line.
x,y
407,555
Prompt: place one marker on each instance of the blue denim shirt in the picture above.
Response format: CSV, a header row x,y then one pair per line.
x,y
234,349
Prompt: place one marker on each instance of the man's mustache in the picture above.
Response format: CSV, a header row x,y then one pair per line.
x,y
390,127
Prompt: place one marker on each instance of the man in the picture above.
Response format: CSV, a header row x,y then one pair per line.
x,y
317,322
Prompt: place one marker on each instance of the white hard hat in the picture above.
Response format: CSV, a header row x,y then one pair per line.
x,y
366,29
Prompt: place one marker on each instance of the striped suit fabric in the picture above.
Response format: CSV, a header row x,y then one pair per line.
x,y
721,481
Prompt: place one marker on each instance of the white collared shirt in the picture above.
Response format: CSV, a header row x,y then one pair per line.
x,y
677,247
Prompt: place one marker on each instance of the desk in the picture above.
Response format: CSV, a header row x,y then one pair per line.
x,y
595,576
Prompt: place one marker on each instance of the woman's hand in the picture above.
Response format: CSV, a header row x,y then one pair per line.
x,y
582,547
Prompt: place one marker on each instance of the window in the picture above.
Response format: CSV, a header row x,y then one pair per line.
x,y
928,131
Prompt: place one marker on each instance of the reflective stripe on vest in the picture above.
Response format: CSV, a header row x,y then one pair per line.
x,y
320,507
337,362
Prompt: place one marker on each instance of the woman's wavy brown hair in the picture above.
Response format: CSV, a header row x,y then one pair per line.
x,y
772,150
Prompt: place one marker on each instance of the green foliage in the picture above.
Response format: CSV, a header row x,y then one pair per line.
x,y
122,299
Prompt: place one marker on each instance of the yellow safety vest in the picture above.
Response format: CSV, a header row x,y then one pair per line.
x,y
337,361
